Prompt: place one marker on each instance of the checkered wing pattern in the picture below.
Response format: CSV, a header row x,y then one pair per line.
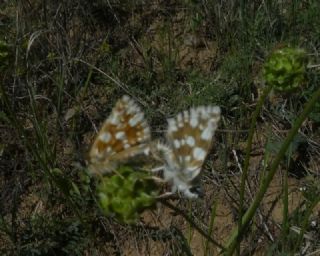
x,y
189,138
124,135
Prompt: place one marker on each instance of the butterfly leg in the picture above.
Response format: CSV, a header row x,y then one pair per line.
x,y
157,169
165,195
158,180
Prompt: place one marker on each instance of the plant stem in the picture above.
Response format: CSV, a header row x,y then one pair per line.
x,y
233,241
248,151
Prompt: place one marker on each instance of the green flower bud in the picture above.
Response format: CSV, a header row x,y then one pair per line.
x,y
286,68
126,194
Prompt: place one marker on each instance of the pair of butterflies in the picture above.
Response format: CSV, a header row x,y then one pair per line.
x,y
125,135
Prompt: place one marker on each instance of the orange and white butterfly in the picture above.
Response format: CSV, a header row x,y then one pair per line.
x,y
188,141
124,135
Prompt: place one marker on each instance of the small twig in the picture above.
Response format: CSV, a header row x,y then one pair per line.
x,y
313,66
317,252
118,83
232,131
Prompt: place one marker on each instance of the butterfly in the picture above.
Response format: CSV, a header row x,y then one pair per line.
x,y
188,141
124,135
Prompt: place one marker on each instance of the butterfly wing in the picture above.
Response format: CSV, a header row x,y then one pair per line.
x,y
190,137
124,134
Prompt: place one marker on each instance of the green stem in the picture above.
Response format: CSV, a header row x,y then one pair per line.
x,y
285,194
212,219
248,151
232,243
306,222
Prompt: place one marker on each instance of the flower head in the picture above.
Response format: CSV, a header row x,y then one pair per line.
x,y
285,70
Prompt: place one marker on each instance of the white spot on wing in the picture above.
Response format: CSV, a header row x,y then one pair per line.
x,y
194,121
190,141
172,125
114,119
132,109
132,104
177,143
187,158
125,98
186,116
136,119
105,137
207,133
120,135
216,110
146,132
199,153
179,120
